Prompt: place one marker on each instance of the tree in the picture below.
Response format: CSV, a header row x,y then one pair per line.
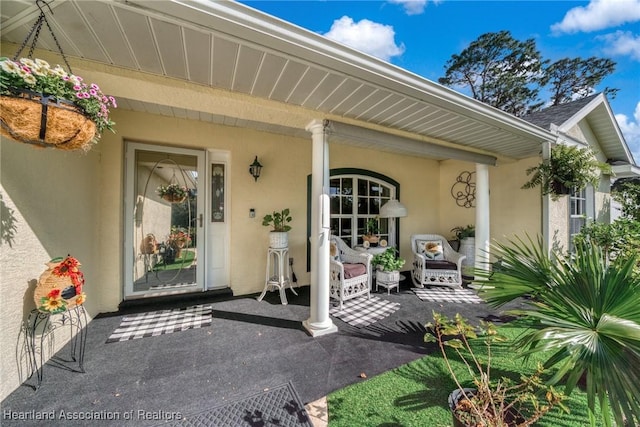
x,y
575,78
499,71
509,74
627,192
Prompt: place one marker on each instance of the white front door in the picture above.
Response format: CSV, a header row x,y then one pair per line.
x,y
165,237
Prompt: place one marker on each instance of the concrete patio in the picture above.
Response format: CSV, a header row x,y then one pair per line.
x,y
250,346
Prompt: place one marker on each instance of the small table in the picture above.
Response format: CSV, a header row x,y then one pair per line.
x,y
278,273
388,280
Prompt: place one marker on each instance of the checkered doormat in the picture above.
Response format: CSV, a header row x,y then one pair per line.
x,y
442,294
361,312
162,322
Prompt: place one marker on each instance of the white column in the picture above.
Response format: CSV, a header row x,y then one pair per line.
x,y
319,322
482,217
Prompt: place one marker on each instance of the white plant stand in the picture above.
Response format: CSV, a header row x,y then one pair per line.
x,y
278,275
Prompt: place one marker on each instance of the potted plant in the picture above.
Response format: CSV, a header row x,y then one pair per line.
x,y
278,221
583,311
372,229
388,265
465,232
46,106
485,401
466,238
570,167
173,193
177,240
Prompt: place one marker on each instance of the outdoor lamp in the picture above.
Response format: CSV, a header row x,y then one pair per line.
x,y
255,168
393,209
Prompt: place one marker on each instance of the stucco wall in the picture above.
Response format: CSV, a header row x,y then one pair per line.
x,y
513,211
52,199
283,183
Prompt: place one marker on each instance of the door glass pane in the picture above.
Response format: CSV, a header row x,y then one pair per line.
x,y
363,206
374,206
347,205
334,186
165,221
345,227
363,188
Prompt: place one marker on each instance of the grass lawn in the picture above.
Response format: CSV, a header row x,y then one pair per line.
x,y
184,261
416,394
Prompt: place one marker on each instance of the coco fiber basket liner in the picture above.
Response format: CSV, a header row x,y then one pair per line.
x,y
43,122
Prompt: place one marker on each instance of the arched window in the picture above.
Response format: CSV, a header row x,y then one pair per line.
x,y
356,197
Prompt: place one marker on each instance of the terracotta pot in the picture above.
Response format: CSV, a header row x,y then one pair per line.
x,y
35,119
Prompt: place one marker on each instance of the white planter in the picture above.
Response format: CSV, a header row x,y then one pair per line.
x,y
278,239
388,276
468,248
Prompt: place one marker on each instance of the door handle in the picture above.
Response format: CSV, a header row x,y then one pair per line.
x,y
200,220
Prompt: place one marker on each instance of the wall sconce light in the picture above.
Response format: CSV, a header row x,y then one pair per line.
x,y
255,168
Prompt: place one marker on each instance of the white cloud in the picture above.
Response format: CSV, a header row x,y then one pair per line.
x,y
631,130
367,36
413,7
623,43
599,14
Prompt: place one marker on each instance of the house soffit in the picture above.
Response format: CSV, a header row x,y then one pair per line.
x,y
229,46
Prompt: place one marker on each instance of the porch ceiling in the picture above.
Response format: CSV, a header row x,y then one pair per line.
x,y
229,46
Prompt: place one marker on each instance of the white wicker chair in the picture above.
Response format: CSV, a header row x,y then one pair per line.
x,y
342,288
446,272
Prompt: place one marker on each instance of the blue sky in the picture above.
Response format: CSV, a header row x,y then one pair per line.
x,y
421,35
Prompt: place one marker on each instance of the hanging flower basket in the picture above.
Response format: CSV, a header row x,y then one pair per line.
x,y
48,107
173,193
40,120
60,286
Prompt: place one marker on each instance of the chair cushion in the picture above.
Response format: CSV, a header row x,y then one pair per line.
x,y
441,265
432,249
354,270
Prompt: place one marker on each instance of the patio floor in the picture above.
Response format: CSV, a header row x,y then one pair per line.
x,y
249,347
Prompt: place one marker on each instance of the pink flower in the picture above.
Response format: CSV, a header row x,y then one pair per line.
x,y
77,87
93,92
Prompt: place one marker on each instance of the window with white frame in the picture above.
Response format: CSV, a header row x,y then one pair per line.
x,y
581,207
355,199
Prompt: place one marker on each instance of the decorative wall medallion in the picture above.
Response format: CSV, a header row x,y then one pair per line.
x,y
464,190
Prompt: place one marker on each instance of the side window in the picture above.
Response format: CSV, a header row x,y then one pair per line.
x,y
580,209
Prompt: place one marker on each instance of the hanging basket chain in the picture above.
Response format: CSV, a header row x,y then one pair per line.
x,y
35,31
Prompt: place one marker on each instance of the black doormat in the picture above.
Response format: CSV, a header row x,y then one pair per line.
x,y
279,406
